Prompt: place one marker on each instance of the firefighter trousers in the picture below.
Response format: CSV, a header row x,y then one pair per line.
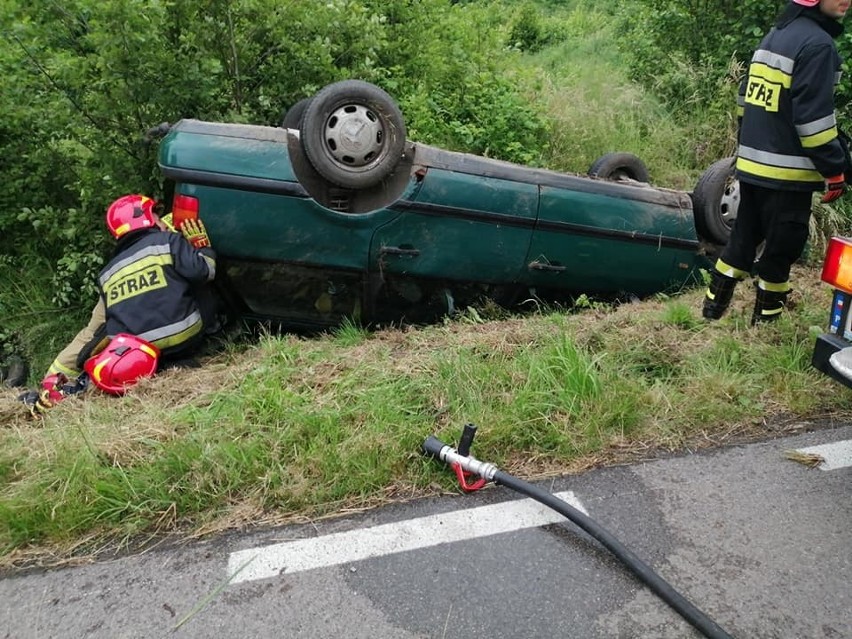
x,y
780,218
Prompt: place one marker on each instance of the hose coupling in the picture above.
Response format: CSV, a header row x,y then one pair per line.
x,y
449,455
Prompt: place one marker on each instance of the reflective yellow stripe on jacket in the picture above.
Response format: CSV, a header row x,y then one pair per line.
x,y
791,168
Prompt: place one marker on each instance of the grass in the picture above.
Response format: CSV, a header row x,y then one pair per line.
x,y
595,109
291,428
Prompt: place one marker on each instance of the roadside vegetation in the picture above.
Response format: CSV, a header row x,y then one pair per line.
x,y
280,428
293,429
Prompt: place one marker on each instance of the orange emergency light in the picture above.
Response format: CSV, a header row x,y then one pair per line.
x,y
837,267
185,207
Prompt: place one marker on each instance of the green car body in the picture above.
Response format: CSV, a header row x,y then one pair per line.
x,y
442,231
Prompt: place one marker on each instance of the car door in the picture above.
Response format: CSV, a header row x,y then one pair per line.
x,y
459,227
600,237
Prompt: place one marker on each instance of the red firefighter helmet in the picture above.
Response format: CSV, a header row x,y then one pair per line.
x,y
130,213
120,365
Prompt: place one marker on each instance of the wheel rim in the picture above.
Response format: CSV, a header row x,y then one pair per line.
x,y
730,202
354,137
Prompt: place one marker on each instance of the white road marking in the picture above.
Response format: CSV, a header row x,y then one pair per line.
x,y
387,539
836,455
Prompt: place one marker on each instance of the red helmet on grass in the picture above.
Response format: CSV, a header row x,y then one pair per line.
x,y
120,365
130,213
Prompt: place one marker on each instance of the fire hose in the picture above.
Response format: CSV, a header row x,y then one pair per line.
x,y
466,466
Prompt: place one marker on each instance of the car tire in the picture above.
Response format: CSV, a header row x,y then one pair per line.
x,y
715,201
293,116
14,372
620,166
353,134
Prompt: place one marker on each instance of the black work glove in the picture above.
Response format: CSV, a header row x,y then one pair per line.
x,y
77,386
38,403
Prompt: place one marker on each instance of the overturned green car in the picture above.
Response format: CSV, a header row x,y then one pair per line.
x,y
336,215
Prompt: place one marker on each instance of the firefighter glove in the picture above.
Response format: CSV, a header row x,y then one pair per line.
x,y
195,233
834,188
169,221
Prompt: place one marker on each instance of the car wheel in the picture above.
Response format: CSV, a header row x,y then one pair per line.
x,y
620,166
293,116
353,134
716,200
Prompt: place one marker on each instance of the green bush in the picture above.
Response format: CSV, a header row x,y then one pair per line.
x,y
527,32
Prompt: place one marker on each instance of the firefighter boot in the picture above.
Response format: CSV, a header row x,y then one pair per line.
x,y
768,305
718,295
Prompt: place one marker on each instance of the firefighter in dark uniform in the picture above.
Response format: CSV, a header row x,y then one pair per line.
x,y
789,147
69,362
148,287
152,288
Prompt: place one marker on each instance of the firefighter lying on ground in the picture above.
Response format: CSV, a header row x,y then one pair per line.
x,y
153,305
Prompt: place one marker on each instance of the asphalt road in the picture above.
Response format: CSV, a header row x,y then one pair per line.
x,y
759,543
